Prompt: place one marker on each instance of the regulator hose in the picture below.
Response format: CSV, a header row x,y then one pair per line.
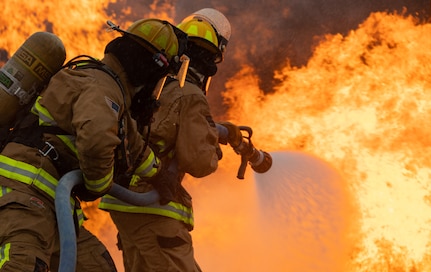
x,y
64,213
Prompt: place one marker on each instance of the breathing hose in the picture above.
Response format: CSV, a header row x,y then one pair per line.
x,y
64,213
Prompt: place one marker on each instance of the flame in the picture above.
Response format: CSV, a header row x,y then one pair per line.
x,y
80,24
361,103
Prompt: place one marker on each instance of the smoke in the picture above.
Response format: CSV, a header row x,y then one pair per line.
x,y
268,34
265,34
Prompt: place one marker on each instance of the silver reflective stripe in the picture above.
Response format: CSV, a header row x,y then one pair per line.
x,y
33,176
13,169
6,170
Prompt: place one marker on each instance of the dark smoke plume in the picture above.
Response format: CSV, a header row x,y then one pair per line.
x,y
265,34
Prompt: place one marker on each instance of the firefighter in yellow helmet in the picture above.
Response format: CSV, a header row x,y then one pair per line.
x,y
81,120
184,136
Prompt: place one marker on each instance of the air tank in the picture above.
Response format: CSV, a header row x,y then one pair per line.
x,y
26,73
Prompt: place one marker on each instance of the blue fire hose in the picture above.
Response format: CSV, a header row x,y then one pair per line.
x,y
64,213
66,226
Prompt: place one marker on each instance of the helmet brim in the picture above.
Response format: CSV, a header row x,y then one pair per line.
x,y
201,42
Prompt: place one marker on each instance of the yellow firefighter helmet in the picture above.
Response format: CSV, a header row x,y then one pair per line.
x,y
157,36
203,34
197,26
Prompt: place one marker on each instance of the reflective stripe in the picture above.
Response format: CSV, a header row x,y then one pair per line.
x,y
46,119
147,169
69,141
28,174
100,185
80,215
134,180
172,209
4,254
4,190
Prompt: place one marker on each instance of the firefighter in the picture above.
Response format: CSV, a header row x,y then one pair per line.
x,y
92,255
81,120
184,135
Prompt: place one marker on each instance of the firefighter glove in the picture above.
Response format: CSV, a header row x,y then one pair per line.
x,y
234,134
166,183
84,194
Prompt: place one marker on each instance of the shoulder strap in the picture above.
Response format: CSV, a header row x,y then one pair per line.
x,y
85,61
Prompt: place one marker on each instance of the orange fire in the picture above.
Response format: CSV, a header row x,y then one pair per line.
x,y
361,105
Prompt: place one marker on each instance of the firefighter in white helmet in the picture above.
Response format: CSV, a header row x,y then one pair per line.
x,y
184,135
82,120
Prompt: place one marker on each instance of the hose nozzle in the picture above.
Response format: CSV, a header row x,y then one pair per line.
x,y
260,161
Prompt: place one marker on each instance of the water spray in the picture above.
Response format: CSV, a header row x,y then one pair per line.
x,y
259,160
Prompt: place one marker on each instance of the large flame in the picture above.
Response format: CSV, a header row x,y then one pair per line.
x,y
361,103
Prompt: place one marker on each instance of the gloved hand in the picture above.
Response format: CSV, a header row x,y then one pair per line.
x,y
84,194
234,134
166,183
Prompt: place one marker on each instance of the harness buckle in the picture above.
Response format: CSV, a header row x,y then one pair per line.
x,y
46,151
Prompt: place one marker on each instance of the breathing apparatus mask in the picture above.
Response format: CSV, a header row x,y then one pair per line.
x,y
202,66
209,32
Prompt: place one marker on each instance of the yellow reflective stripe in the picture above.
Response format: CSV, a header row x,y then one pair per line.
x,y
134,180
69,141
209,36
172,209
28,174
147,169
4,254
4,190
80,215
12,169
100,185
193,29
45,118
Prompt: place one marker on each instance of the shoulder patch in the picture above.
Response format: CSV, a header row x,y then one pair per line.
x,y
112,105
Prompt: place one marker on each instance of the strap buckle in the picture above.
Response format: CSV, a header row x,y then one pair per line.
x,y
46,151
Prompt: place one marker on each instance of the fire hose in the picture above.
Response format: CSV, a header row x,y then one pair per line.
x,y
64,213
259,160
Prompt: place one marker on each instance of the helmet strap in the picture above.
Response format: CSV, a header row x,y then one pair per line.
x,y
182,73
159,87
206,84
